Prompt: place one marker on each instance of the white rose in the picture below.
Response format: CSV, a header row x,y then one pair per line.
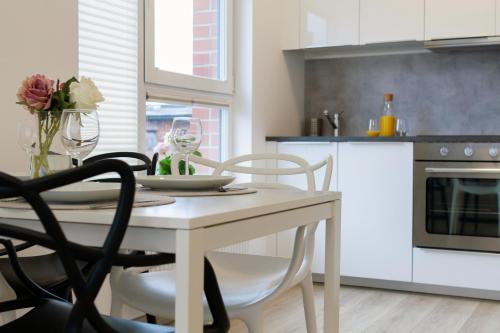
x,y
85,94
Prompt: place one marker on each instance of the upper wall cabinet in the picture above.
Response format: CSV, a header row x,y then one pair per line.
x,y
459,18
329,23
391,21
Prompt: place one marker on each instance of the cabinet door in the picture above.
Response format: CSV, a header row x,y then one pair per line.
x,y
312,152
376,181
391,21
329,23
478,270
459,18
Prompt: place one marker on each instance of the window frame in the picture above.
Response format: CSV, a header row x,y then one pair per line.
x,y
225,120
157,76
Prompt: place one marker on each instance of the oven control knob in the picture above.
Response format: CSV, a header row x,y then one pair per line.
x,y
444,151
493,152
468,151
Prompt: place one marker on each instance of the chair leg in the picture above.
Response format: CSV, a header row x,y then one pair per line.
x,y
253,318
309,307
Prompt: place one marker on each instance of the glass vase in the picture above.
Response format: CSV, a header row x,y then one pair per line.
x,y
48,124
46,164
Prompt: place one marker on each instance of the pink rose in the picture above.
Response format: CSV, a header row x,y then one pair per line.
x,y
36,92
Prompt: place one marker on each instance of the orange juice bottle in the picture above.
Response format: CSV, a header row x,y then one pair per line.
x,y
388,120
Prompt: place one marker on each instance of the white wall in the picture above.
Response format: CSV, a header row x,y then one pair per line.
x,y
38,36
242,107
269,90
278,77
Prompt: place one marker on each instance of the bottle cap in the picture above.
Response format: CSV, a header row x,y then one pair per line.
x,y
388,97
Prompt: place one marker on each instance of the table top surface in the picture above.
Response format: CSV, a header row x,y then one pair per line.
x,y
195,212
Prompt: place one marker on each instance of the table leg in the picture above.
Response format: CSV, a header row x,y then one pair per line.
x,y
332,270
189,281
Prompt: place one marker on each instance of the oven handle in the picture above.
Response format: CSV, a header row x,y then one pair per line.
x,y
463,170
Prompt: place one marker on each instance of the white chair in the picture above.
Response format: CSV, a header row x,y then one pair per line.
x,y
246,281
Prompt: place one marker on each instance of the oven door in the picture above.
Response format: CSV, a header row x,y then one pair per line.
x,y
456,205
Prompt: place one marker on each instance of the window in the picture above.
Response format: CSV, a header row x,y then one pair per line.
x,y
159,116
188,70
188,44
108,53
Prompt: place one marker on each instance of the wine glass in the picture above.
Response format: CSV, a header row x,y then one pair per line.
x,y
26,138
80,132
187,133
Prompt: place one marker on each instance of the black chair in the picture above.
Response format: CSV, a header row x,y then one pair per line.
x,y
51,313
47,270
154,162
146,164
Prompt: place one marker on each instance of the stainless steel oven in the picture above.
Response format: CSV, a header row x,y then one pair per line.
x,y
457,196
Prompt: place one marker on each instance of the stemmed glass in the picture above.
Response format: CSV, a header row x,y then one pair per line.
x,y
26,138
187,134
80,132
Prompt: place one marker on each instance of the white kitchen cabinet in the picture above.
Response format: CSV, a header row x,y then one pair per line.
x,y
391,21
312,152
459,18
329,23
457,268
376,181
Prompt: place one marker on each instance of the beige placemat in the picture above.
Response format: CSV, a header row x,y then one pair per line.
x,y
229,191
141,200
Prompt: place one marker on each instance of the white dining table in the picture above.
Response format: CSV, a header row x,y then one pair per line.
x,y
194,225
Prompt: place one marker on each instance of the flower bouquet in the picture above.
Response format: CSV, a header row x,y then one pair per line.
x,y
46,101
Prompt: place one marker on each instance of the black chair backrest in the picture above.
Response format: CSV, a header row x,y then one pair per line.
x,y
85,289
145,166
154,162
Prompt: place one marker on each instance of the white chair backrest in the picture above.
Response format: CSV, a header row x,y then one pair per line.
x,y
303,250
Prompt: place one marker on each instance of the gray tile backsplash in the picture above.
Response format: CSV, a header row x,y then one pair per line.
x,y
447,93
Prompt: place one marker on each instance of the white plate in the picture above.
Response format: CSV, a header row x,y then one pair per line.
x,y
184,182
84,192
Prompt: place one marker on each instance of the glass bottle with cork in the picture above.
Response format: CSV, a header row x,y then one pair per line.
x,y
388,120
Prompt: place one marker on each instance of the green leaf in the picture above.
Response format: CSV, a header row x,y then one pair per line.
x,y
67,84
166,167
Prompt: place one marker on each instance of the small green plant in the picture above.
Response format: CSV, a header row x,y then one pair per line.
x,y
166,166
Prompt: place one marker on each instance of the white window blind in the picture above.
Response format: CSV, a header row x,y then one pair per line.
x,y
108,53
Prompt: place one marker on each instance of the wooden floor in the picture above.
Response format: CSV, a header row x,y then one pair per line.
x,y
373,310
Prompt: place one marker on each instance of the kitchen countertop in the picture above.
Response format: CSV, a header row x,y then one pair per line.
x,y
419,138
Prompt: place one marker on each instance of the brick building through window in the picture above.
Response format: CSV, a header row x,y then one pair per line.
x,y
205,62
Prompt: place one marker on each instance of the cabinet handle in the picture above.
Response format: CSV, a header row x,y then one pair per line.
x,y
463,170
